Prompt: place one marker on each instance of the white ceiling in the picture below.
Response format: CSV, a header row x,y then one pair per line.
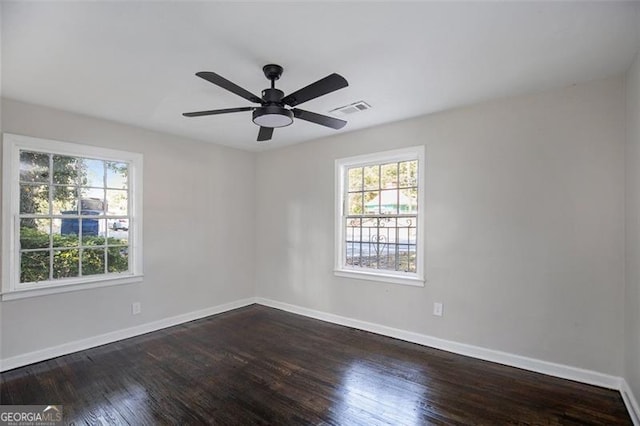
x,y
134,62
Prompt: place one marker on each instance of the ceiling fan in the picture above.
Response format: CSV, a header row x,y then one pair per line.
x,y
272,112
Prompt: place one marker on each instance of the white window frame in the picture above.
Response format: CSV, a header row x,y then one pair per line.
x,y
11,286
341,166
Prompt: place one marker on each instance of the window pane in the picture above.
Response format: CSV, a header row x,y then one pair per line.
x,y
411,235
34,199
34,266
34,167
372,177
391,223
91,172
65,232
372,202
66,263
409,200
353,241
65,200
355,203
355,179
386,256
34,233
407,230
117,175
407,258
389,201
118,259
94,232
117,202
118,232
389,175
409,173
92,201
368,242
93,261
66,170
353,254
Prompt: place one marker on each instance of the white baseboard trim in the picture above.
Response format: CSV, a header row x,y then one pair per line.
x,y
631,402
525,363
114,336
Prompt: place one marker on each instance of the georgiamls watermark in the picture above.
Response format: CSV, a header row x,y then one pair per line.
x,y
30,415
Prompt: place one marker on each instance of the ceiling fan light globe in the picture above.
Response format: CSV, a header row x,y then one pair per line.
x,y
272,116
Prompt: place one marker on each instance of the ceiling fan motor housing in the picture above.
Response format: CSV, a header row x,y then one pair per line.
x,y
272,113
270,96
272,116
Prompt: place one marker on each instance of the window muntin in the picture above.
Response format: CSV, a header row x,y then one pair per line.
x,y
379,221
70,213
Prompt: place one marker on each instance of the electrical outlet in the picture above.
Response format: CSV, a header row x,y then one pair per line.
x,y
437,309
136,308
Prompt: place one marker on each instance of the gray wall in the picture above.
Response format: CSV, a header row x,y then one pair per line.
x,y
632,308
198,229
524,226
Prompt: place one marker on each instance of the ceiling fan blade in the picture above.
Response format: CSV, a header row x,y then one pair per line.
x,y
323,120
329,84
265,134
216,111
214,78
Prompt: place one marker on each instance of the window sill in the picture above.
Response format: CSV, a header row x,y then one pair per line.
x,y
388,278
24,293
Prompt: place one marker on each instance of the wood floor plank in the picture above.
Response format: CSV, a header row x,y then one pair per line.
x,y
258,365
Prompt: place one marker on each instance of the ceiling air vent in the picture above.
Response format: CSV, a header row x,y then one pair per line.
x,y
351,108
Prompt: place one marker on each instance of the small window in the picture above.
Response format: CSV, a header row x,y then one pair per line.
x,y
72,214
379,224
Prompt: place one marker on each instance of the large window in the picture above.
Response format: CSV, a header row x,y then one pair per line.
x,y
379,224
72,215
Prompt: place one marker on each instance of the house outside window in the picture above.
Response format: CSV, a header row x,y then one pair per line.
x,y
72,216
379,216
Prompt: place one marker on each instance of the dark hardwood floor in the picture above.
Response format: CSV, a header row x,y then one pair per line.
x,y
258,365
